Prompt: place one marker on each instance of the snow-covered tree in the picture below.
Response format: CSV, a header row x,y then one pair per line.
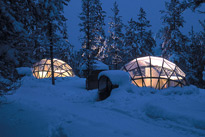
x,y
99,26
131,46
145,41
196,56
87,27
24,31
115,40
194,4
92,18
14,43
64,49
173,39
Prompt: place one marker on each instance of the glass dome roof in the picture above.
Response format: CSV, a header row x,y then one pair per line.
x,y
154,72
42,69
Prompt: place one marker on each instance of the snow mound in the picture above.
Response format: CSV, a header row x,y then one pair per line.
x,y
117,77
187,90
25,71
156,112
39,109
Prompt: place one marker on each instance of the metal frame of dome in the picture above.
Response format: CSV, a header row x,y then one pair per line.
x,y
42,69
155,72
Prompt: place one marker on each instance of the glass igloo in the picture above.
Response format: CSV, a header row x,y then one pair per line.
x,y
155,72
42,69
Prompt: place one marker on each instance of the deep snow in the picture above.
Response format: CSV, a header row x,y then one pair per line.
x,y
39,109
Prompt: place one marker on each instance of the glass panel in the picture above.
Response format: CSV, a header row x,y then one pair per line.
x,y
131,66
180,72
143,58
162,83
127,66
168,72
55,74
135,73
156,71
172,83
42,74
41,68
134,66
145,61
60,61
147,82
46,67
48,62
170,64
36,74
174,76
163,74
49,74
180,78
136,77
131,74
55,64
142,69
147,72
156,61
138,82
66,65
43,61
67,73
154,83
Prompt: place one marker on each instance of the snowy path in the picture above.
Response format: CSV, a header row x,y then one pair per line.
x,y
38,109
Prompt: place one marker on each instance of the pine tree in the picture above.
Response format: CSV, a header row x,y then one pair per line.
x,y
24,29
196,57
92,18
13,40
194,4
115,40
170,34
64,49
131,45
53,24
99,19
145,41
87,27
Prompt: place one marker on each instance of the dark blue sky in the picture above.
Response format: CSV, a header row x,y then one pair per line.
x,y
128,9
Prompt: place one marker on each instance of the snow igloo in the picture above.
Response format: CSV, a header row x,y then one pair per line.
x,y
155,72
42,69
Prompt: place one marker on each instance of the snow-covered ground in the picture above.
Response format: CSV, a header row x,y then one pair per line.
x,y
39,109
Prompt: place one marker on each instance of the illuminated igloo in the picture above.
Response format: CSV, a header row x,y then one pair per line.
x,y
155,72
42,69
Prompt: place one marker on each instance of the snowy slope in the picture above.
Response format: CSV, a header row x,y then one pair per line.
x,y
38,109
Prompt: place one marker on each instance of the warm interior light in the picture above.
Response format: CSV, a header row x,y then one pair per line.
x,y
42,69
154,72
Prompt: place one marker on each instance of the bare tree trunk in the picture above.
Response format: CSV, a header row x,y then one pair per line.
x,y
51,53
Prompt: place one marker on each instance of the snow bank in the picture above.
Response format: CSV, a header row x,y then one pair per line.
x,y
25,71
39,109
117,77
156,112
186,90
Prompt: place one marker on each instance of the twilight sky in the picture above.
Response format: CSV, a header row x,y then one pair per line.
x,y
128,9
